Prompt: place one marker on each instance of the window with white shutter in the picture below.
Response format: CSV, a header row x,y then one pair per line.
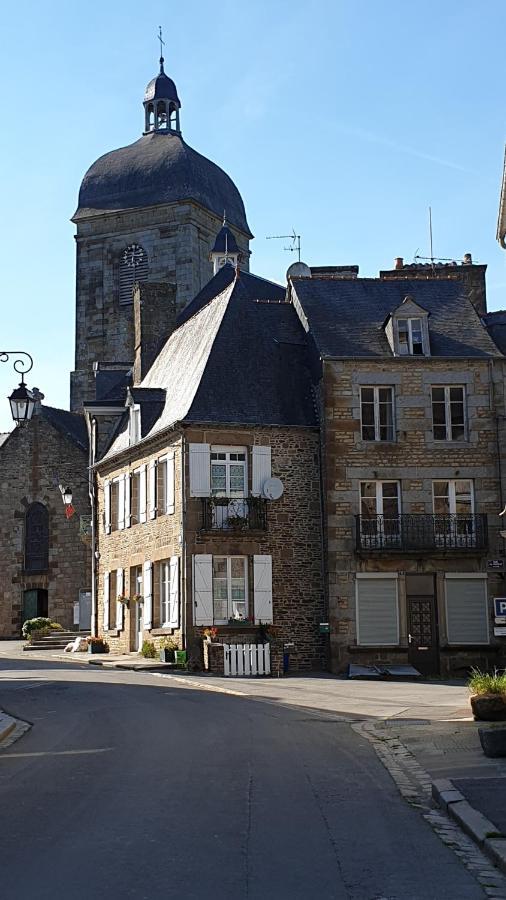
x,y
377,611
261,468
262,587
120,587
121,502
107,506
148,595
106,601
174,592
203,589
467,618
143,494
200,470
170,497
128,516
152,488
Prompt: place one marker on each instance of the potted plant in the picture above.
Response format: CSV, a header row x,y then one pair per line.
x,y
97,645
148,650
488,695
124,599
167,648
137,598
210,634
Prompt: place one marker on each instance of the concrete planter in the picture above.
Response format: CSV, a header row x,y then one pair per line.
x,y
167,656
489,707
493,741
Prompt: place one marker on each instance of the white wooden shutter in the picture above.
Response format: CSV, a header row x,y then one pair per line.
x,y
174,592
260,468
120,587
262,588
377,611
467,610
106,601
128,511
152,488
107,506
169,484
200,470
121,502
148,594
203,589
142,494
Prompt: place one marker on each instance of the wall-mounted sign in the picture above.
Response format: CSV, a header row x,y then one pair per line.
x,y
495,564
500,620
500,631
324,628
500,606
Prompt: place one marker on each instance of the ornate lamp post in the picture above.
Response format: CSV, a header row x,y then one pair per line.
x,y
21,400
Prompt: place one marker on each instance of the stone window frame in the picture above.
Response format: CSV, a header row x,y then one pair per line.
x,y
376,388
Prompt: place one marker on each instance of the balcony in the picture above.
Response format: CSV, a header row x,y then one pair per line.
x,y
234,515
421,533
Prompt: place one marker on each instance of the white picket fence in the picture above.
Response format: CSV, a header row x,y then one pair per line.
x,y
247,659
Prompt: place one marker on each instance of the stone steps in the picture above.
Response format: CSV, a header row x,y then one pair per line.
x,y
58,641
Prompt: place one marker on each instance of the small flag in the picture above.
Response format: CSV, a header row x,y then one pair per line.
x,y
69,511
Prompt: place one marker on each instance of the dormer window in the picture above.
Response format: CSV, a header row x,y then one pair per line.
x,y
410,337
135,425
407,329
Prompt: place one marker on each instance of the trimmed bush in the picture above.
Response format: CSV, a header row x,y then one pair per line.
x,y
40,623
148,650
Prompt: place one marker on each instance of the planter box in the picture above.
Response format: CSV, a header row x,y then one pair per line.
x,y
167,655
489,707
493,741
97,648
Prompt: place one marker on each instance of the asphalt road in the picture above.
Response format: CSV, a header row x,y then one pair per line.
x,y
129,786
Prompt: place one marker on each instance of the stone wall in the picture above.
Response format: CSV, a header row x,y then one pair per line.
x,y
177,239
31,460
415,460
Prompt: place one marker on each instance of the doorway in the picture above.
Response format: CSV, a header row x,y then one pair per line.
x,y
34,603
423,651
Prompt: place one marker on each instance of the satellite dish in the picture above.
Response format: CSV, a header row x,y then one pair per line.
x,y
272,488
298,269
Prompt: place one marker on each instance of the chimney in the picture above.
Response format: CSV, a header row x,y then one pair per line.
x,y
399,262
468,259
154,320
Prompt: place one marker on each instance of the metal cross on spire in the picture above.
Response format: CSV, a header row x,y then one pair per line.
x,y
162,45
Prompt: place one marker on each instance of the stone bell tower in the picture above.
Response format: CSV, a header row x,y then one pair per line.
x,y
148,212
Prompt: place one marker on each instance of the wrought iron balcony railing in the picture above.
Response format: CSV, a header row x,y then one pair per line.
x,y
422,532
234,514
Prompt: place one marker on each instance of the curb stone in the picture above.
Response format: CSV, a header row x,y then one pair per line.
x,y
476,825
11,729
7,725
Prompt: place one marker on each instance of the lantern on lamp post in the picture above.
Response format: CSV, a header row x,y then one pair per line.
x,y
22,400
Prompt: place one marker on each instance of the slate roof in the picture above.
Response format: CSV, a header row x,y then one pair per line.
x,y
112,384
161,87
225,241
256,288
496,327
71,425
158,168
346,317
237,360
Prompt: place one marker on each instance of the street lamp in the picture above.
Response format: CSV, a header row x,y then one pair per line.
x,y
21,400
66,494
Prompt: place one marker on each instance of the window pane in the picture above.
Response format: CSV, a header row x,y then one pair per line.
x,y
386,414
218,478
368,498
367,395
236,479
439,413
402,331
390,489
438,395
441,498
439,432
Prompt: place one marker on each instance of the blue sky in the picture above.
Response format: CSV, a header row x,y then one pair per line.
x,y
344,120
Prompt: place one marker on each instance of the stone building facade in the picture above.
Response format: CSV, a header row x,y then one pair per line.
x,y
181,501
411,470
45,558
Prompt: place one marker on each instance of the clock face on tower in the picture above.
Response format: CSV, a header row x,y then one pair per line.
x,y
133,255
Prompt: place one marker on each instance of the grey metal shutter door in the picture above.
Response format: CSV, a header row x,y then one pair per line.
x,y
377,611
467,611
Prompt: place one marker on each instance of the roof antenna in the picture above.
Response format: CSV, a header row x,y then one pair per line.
x,y
162,45
295,239
430,236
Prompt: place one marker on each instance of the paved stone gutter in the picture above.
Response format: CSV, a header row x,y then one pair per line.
x,y
471,820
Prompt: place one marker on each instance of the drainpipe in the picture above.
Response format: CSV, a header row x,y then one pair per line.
x,y
91,424
323,509
183,542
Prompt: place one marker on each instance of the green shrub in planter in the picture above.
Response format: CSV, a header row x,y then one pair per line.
x,y
167,647
488,700
148,650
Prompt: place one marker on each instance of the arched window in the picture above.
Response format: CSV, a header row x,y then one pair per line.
x,y
173,117
161,115
133,267
36,538
150,117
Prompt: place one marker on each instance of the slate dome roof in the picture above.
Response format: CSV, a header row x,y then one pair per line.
x,y
161,87
158,168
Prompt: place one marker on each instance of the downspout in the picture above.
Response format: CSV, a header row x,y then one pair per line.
x,y
323,507
183,543
91,425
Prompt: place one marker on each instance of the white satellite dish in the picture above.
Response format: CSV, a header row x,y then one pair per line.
x,y
272,488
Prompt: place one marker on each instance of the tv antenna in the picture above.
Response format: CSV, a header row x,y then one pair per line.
x,y
294,238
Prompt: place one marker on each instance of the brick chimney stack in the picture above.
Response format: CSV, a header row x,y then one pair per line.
x,y
154,321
